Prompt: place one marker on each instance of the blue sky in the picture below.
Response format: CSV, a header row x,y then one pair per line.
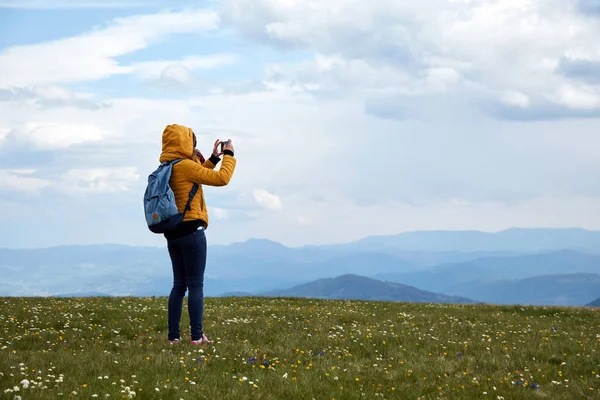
x,y
349,118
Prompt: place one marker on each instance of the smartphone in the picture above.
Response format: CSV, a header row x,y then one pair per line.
x,y
224,144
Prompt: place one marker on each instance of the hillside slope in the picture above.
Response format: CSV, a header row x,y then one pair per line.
x,y
362,288
271,349
567,289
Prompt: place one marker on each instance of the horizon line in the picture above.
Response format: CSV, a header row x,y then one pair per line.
x,y
313,245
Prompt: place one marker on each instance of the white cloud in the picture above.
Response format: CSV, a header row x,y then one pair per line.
x,y
49,135
3,134
219,213
515,99
92,55
100,180
499,50
50,96
580,97
460,203
70,4
54,93
153,69
267,200
21,180
302,220
179,72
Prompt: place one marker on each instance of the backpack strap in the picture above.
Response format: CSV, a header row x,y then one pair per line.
x,y
191,197
173,162
192,192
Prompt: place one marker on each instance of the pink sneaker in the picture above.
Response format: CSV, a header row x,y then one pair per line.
x,y
203,340
174,341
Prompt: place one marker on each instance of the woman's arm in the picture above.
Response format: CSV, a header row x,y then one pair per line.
x,y
202,175
212,162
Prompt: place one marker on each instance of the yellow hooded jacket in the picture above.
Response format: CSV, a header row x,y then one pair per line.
x,y
178,142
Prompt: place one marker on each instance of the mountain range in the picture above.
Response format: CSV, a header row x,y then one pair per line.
x,y
514,239
480,266
448,277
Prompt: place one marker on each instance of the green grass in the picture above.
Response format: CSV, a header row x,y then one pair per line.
x,y
78,348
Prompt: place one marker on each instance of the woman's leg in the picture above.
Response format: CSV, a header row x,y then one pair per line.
x,y
178,290
194,256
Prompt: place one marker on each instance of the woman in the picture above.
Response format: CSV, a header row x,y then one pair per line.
x,y
187,243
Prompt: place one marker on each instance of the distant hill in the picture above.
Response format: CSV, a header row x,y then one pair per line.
x,y
567,290
595,303
354,287
446,276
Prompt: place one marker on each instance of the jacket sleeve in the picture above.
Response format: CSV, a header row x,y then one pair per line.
x,y
197,173
212,162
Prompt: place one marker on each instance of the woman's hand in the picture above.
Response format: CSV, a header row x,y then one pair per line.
x,y
229,146
216,151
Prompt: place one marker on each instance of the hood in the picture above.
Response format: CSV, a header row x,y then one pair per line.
x,y
177,142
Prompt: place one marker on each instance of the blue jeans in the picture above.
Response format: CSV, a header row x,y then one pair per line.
x,y
188,257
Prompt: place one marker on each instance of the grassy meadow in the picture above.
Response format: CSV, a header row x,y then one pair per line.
x,y
297,349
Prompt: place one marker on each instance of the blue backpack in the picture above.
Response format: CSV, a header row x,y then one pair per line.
x,y
161,211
